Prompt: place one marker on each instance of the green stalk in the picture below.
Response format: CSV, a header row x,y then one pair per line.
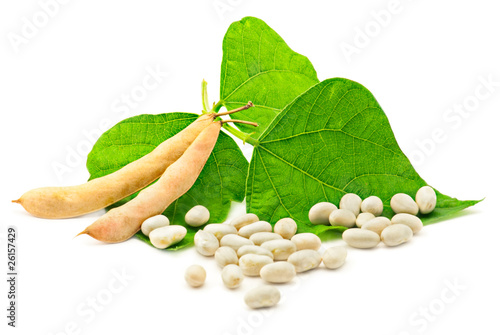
x,y
245,137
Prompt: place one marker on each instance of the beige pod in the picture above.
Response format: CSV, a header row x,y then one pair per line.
x,y
251,264
254,249
305,260
319,213
373,205
396,234
234,241
264,236
205,243
363,218
334,257
195,275
411,221
255,227
377,224
306,241
164,237
154,222
403,203
220,229
342,217
286,227
426,199
242,221
351,202
197,216
225,255
361,238
232,276
278,272
280,249
262,296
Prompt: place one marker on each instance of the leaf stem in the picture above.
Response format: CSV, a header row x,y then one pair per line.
x,y
245,137
204,97
255,124
247,106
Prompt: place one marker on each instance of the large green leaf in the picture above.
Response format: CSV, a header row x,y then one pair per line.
x,y
258,65
221,181
333,139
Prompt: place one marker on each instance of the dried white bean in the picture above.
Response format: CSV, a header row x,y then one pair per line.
x,y
361,238
411,221
363,218
372,205
234,241
334,257
278,272
426,199
403,203
154,222
377,224
351,202
262,296
264,236
197,216
244,220
251,264
195,275
305,260
164,237
396,234
255,227
232,276
286,227
306,241
220,229
319,213
225,255
254,249
342,217
205,243
280,249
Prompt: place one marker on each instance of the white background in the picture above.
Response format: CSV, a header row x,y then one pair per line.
x,y
63,82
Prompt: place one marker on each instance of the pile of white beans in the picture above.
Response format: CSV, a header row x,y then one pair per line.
x,y
247,246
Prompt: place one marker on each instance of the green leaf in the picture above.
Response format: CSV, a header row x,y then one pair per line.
x,y
258,65
333,139
221,181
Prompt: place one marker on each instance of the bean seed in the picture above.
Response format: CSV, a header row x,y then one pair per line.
x,y
234,241
195,275
403,203
278,272
262,296
244,220
426,199
305,260
254,249
334,257
205,243
319,213
164,237
372,205
154,222
396,234
225,256
197,216
280,249
363,218
377,224
232,276
255,227
286,227
411,221
220,229
264,236
342,217
306,241
361,238
251,264
351,202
